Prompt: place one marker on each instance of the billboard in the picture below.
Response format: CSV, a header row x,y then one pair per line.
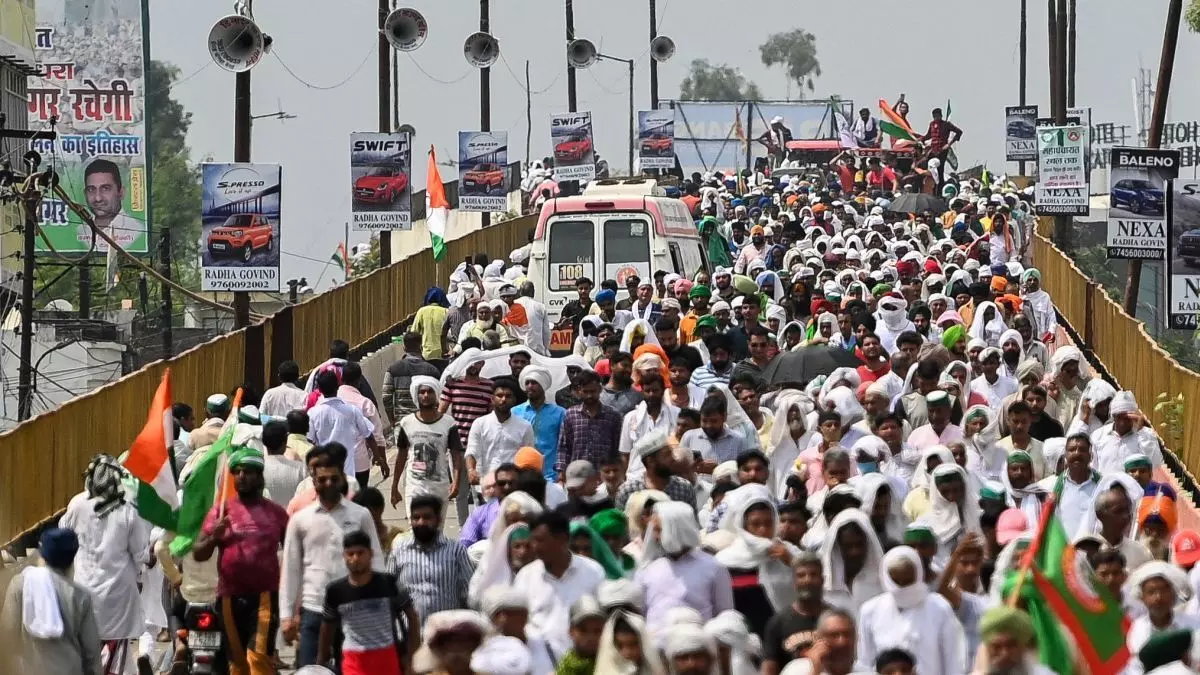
x,y
240,227
574,146
93,81
1183,253
656,139
1020,127
482,164
380,181
1062,187
1137,202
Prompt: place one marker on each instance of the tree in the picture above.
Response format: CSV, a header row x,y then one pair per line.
x,y
706,82
1192,16
797,51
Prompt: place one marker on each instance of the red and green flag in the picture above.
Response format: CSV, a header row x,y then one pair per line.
x,y
1065,594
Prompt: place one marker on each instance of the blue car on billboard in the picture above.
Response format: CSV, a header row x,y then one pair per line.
x,y
1138,195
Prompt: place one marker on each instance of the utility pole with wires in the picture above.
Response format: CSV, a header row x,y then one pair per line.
x,y
571,100
485,92
385,111
28,189
528,114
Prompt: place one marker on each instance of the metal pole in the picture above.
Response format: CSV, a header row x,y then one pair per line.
x,y
653,63
167,309
632,121
1062,224
1071,54
385,113
1158,117
25,371
528,114
241,153
571,101
485,93
1052,38
1024,49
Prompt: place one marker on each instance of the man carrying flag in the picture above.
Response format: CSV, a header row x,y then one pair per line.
x,y
248,530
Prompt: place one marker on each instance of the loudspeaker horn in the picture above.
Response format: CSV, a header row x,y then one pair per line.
x,y
481,50
662,48
405,29
236,43
581,53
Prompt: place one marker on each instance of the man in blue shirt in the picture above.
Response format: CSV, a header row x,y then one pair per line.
x,y
545,417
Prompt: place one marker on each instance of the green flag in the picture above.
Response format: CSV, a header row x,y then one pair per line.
x,y
200,489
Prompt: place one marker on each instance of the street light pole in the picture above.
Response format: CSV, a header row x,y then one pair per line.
x,y
385,112
485,92
1024,48
653,62
571,101
632,115
241,153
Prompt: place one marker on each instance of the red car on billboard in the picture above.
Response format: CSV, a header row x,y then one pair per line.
x,y
241,235
656,144
380,185
484,178
574,149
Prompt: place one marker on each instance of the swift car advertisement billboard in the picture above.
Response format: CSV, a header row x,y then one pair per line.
x,y
380,181
574,146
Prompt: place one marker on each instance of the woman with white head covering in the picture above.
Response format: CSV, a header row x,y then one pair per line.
x,y
637,517
981,435
881,501
626,647
517,507
987,324
501,561
954,509
850,555
790,435
739,650
587,344
906,616
758,562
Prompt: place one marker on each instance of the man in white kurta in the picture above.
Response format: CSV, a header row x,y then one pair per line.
x,y
114,545
907,616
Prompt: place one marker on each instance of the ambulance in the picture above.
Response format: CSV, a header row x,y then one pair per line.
x,y
616,229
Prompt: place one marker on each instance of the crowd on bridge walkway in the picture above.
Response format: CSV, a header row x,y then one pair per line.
x,y
826,454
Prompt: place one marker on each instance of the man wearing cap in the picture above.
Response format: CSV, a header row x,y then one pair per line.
x,y
1128,432
508,610
1160,586
1139,467
429,449
1169,652
757,248
248,531
655,450
939,430
699,297
49,617
1008,640
217,408
644,306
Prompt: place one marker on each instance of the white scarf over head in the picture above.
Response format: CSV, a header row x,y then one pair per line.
x,y
947,518
867,584
991,330
751,552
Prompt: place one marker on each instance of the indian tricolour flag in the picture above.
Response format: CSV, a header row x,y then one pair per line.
x,y
150,462
893,124
340,259
438,207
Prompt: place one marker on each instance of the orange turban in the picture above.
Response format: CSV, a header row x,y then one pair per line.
x,y
1160,506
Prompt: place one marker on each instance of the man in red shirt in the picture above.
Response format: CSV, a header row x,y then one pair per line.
x,y
877,364
881,177
248,531
938,138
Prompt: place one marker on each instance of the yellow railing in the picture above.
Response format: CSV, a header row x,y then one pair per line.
x,y
42,459
1121,343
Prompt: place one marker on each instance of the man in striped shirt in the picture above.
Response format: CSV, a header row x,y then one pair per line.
x,y
436,570
466,400
720,362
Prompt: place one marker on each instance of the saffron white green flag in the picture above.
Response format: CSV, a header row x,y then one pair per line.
x,y
437,209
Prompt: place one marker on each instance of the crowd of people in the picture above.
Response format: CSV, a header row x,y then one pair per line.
x,y
826,454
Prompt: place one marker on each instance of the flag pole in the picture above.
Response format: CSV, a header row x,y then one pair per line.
x,y
226,476
1031,554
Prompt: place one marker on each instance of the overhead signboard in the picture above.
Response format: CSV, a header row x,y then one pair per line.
x,y
1137,202
380,181
1020,126
482,161
1183,253
1062,187
240,227
656,139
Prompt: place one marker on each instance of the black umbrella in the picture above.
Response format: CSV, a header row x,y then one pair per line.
x,y
801,366
918,202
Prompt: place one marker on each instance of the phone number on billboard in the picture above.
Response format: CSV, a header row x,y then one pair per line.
x,y
1135,253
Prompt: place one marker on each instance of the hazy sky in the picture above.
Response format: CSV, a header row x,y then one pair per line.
x,y
933,50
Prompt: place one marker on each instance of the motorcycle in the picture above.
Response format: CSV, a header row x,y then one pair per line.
x,y
200,650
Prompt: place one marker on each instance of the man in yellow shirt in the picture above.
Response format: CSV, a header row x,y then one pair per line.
x,y
430,322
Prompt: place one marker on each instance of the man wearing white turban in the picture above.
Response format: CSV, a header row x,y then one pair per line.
x,y
429,448
502,655
690,651
508,610
1128,432
907,616
676,572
